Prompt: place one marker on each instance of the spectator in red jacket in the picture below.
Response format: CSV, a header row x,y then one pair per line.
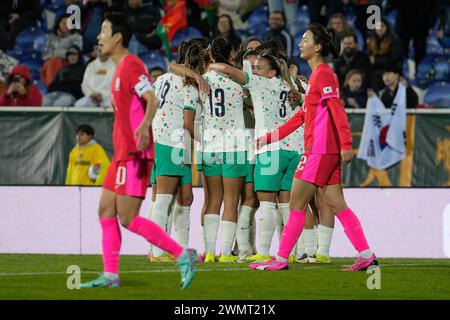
x,y
20,90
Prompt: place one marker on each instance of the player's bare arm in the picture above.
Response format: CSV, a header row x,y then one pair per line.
x,y
183,71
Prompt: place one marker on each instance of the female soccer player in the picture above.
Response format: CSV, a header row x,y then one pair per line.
x,y
178,102
127,178
328,141
269,86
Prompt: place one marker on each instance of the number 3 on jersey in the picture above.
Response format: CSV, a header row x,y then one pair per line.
x,y
301,164
218,108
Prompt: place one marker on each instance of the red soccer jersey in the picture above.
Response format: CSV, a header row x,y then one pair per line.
x,y
326,124
130,81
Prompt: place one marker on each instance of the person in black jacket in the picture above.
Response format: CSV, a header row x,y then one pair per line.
x,y
278,33
18,15
391,78
352,58
66,88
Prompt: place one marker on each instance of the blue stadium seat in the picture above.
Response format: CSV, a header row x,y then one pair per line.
x,y
433,45
441,68
41,86
438,95
302,65
135,47
302,18
425,73
359,38
297,39
153,59
30,39
258,21
391,18
185,34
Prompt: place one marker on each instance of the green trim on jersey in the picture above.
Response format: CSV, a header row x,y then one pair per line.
x,y
274,170
190,108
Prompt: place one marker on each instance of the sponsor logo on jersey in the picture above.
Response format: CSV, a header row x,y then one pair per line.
x,y
327,90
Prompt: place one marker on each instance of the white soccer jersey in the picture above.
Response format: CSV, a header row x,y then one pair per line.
x,y
173,97
223,117
270,98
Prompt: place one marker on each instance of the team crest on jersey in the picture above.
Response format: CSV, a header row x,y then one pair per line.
x,y
327,90
117,84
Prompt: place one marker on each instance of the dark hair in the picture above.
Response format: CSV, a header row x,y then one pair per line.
x,y
280,12
195,58
278,64
352,35
326,38
58,21
182,48
86,129
241,55
120,23
156,69
221,49
245,43
203,42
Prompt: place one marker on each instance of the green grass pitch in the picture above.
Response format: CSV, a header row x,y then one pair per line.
x,y
27,276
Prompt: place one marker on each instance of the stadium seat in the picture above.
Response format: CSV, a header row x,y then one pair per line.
x,y
135,47
391,18
433,45
258,21
153,59
302,65
30,39
441,68
41,86
297,39
426,72
185,34
438,95
302,18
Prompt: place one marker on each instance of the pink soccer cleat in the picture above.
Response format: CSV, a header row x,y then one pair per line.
x,y
271,265
362,264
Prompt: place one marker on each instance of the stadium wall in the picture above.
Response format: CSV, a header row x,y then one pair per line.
x,y
399,222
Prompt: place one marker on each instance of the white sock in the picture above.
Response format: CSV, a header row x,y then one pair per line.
x,y
253,230
150,209
111,276
228,232
285,211
278,220
309,242
325,234
210,225
243,230
160,213
266,226
316,240
181,221
202,235
366,254
301,250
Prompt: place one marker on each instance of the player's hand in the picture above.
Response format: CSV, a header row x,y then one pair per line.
x,y
347,156
294,98
202,83
142,134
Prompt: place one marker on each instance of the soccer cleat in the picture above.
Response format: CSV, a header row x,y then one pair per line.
x,y
165,257
227,259
303,259
210,257
101,282
362,264
256,258
292,259
271,265
322,259
312,259
186,264
244,258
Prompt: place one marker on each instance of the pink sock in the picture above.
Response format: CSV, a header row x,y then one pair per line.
x,y
291,232
154,234
111,241
353,229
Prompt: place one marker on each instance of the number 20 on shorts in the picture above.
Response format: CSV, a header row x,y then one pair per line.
x,y
302,162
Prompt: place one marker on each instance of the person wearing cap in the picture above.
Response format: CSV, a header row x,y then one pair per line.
x,y
391,79
66,88
20,90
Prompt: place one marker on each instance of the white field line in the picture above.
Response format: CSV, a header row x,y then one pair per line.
x,y
7,274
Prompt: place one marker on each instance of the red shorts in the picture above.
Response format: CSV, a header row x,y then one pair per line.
x,y
128,178
320,169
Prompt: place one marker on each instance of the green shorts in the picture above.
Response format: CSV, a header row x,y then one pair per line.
x,y
225,164
165,165
274,170
198,159
250,167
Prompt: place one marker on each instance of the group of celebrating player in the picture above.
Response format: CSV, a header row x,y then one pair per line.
x,y
223,100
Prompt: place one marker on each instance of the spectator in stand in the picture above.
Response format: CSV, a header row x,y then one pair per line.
x,y
88,161
391,78
54,53
352,58
18,15
225,29
66,88
383,48
232,8
353,93
413,23
20,90
316,12
145,19
97,81
251,43
290,8
6,65
277,32
339,23
155,73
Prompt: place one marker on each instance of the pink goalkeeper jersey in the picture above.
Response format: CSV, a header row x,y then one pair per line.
x,y
129,83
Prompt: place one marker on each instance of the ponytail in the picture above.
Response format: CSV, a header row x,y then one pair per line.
x,y
195,60
327,38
